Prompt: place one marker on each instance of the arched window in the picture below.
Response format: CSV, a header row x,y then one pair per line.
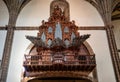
x,y
66,29
58,31
43,37
50,30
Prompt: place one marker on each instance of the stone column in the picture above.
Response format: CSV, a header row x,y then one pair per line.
x,y
8,46
6,53
14,8
113,51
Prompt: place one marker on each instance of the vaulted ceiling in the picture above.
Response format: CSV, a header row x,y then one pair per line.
x,y
15,4
116,12
108,9
103,7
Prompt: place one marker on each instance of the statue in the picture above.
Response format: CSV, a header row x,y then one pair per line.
x,y
64,5
57,14
57,11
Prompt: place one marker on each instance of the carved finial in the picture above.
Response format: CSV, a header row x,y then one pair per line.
x,y
43,22
73,21
57,10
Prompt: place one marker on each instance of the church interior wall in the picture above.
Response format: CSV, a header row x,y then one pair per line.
x,y
4,16
20,43
102,53
37,10
82,12
2,41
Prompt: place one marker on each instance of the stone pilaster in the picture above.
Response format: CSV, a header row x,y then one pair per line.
x,y
114,53
6,53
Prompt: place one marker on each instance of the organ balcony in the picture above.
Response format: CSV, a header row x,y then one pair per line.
x,y
58,47
83,63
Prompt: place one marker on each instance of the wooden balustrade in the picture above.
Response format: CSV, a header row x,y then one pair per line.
x,y
34,65
37,60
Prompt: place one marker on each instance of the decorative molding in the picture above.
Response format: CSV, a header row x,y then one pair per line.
x,y
92,28
118,50
27,28
3,28
22,28
49,74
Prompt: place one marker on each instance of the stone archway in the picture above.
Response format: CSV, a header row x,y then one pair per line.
x,y
77,78
90,50
61,79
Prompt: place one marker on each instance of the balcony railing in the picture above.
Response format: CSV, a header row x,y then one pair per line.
x,y
35,64
80,60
